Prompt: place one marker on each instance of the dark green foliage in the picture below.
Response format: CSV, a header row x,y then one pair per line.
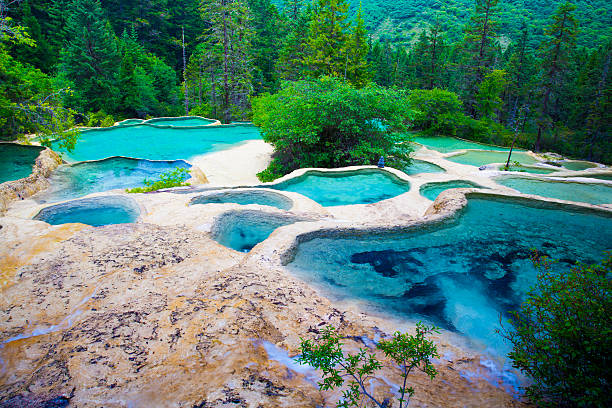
x,y
169,179
408,352
562,335
437,111
329,123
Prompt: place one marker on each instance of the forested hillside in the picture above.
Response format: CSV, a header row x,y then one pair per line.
x,y
486,70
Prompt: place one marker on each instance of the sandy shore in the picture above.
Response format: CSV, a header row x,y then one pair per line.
x,y
237,166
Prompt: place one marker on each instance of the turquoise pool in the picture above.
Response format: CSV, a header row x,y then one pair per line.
x,y
245,197
432,190
599,176
148,142
95,211
17,161
599,193
346,187
80,179
444,144
480,158
459,274
421,166
242,230
534,170
578,165
183,121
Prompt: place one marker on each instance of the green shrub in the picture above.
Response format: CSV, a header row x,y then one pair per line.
x,y
169,179
562,336
329,123
408,352
437,111
100,119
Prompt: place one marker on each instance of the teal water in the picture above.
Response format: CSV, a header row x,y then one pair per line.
x,y
421,166
445,144
148,142
459,274
17,161
246,197
187,121
80,179
480,158
582,192
242,230
578,165
95,211
600,176
534,170
346,187
432,190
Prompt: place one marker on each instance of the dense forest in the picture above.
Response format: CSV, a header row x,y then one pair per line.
x,y
487,70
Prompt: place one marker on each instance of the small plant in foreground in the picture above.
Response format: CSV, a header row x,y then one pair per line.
x,y
409,352
169,179
562,335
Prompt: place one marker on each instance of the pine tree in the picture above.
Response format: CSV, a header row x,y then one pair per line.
x,y
230,35
521,72
267,30
357,69
89,58
327,53
292,55
560,38
479,49
427,55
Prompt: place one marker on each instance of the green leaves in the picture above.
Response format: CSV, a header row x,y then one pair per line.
x,y
562,335
329,123
169,179
407,351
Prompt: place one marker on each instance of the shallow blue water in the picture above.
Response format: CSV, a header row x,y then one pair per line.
x,y
420,166
480,158
578,165
94,211
432,190
17,161
346,188
242,230
77,180
148,142
446,144
595,193
460,274
535,170
245,197
186,121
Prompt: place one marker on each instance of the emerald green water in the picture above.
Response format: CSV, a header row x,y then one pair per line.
x,y
535,170
421,166
242,230
480,158
433,190
95,211
445,144
600,176
578,165
599,193
245,197
80,179
346,187
148,142
17,161
459,274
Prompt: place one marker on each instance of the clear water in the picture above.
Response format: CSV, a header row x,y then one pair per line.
x,y
346,188
148,142
480,158
600,176
578,165
460,274
444,144
242,230
95,211
77,180
581,192
246,197
535,170
180,121
17,161
432,190
421,166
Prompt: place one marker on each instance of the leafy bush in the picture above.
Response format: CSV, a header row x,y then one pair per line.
x,y
437,111
329,123
408,352
562,336
100,119
169,179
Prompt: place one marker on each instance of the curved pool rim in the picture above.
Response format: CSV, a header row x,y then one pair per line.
x,y
287,202
128,203
433,184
